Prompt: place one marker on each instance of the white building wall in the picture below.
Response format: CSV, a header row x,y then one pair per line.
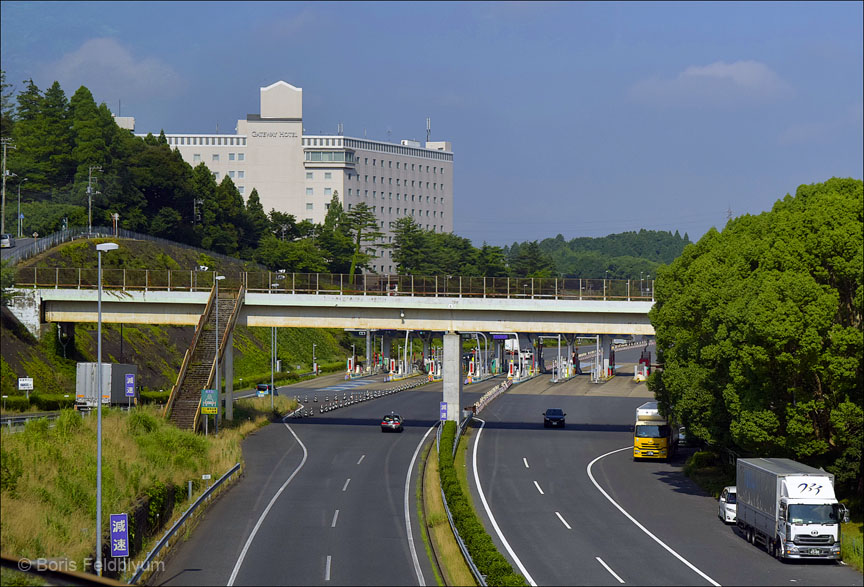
x,y
270,153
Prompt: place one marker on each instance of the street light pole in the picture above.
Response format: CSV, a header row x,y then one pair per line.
x,y
217,279
90,197
19,206
7,143
99,249
314,366
352,357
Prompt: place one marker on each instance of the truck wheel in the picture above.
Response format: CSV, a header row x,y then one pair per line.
x,y
750,536
778,550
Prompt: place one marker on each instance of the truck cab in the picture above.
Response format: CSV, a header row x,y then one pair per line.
x,y
653,436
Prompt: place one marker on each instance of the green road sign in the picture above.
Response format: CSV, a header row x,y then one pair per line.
x,y
208,402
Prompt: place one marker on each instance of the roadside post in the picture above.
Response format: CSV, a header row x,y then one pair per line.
x,y
209,406
25,384
130,388
443,416
119,524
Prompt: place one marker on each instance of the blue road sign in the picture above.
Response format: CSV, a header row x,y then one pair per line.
x,y
119,535
443,411
130,385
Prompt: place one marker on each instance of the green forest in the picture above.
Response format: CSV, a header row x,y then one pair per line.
x,y
759,332
68,156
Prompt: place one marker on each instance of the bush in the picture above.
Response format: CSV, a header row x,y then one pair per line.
x,y
17,403
154,397
489,561
52,402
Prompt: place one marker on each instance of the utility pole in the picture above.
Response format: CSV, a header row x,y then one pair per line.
x,y
7,142
90,197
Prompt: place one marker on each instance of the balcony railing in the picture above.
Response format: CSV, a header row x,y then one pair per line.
x,y
450,286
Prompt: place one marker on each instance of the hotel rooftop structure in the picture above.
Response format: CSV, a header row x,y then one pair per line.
x,y
299,174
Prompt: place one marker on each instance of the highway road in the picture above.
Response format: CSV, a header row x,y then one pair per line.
x,y
561,529
333,488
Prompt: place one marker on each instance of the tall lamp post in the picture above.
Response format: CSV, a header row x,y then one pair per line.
x,y
19,207
217,279
272,364
100,248
352,358
314,366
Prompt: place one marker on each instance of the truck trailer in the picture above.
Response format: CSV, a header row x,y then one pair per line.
x,y
789,508
115,380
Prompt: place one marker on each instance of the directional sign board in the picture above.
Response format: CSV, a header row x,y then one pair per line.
x,y
443,411
130,385
119,535
208,402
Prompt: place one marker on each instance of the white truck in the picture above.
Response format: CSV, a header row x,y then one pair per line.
x,y
117,379
790,508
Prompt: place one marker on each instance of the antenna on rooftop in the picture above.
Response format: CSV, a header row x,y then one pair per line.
x,y
339,129
389,132
428,128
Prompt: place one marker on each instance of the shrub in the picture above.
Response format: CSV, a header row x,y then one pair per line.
x,y
17,403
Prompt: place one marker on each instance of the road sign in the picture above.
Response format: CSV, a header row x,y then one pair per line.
x,y
119,535
25,384
443,411
209,403
130,385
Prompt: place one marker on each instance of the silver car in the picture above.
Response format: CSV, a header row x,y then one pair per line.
x,y
7,241
728,505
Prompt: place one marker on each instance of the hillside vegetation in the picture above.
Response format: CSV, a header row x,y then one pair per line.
x,y
157,350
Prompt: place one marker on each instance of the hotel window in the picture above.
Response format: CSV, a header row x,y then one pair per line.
x,y
434,214
349,191
196,157
397,197
390,164
390,210
241,174
365,160
365,193
427,169
308,205
365,178
241,156
397,165
374,195
373,162
390,180
328,175
349,206
427,197
374,179
308,220
241,189
216,175
427,185
309,175
397,211
327,206
328,191
412,167
398,182
230,156
309,192
215,157
231,174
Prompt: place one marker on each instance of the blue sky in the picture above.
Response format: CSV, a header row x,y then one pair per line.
x,y
583,119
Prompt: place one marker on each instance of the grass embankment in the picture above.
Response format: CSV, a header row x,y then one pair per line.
x,y
710,472
48,505
445,548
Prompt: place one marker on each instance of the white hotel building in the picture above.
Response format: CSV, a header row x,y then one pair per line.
x,y
299,174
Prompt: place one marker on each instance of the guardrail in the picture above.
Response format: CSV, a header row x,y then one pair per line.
x,y
490,395
367,284
154,552
328,405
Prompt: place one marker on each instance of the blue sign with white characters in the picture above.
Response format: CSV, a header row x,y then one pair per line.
x,y
119,535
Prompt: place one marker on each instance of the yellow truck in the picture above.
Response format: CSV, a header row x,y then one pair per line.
x,y
653,436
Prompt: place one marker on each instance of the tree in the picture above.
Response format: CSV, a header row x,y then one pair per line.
x,y
334,238
759,331
531,261
256,220
411,247
364,226
7,110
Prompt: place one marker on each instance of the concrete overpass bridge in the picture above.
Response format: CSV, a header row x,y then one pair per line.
x,y
445,304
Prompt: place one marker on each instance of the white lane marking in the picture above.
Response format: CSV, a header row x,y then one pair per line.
x,y
537,485
344,487
524,460
489,511
327,569
267,509
563,521
361,459
640,526
420,580
335,516
600,560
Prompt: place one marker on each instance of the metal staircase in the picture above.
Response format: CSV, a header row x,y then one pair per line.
x,y
198,370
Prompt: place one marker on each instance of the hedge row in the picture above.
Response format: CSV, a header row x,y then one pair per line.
x,y
489,561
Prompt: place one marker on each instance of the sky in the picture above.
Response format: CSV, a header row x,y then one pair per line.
x,y
579,119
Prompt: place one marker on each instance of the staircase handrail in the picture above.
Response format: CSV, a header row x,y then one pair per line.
x,y
229,326
187,358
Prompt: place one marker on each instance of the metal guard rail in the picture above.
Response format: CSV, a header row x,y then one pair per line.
x,y
170,533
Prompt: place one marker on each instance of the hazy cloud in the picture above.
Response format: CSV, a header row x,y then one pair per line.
x,y
109,70
718,84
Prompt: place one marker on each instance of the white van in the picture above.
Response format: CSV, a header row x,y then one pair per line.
x,y
7,241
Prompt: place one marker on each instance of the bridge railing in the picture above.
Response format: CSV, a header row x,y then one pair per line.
x,y
557,288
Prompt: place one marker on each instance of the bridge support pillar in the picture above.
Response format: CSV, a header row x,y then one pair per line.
x,y
453,375
369,343
229,377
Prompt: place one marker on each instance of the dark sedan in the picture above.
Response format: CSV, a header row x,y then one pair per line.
x,y
553,418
